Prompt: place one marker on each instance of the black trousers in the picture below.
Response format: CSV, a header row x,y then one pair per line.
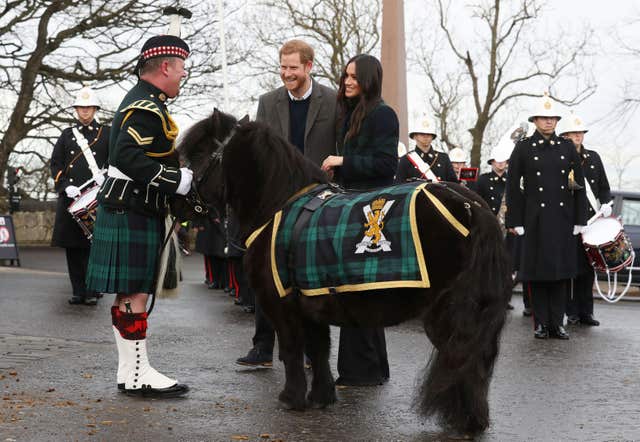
x,y
77,261
362,356
265,336
244,292
580,299
549,301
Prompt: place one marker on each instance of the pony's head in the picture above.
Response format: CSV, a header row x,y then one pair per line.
x,y
201,150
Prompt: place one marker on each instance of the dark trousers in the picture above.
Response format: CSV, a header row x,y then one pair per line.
x,y
580,302
265,336
549,301
77,261
362,356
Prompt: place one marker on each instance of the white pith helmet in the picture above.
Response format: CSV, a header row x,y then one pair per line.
x,y
423,125
546,107
572,123
86,97
457,155
501,151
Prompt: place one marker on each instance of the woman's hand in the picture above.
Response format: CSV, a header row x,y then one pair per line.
x,y
330,162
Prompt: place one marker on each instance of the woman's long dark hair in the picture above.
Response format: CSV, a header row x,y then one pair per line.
x,y
369,76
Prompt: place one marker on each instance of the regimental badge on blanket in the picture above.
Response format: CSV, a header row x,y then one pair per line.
x,y
374,239
350,242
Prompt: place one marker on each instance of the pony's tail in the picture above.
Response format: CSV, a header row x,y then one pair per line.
x,y
465,326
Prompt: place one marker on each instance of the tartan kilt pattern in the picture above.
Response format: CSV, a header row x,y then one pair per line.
x,y
124,252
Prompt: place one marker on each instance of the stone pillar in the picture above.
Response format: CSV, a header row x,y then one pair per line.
x,y
393,59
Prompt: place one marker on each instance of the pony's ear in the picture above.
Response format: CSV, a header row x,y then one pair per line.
x,y
216,114
244,119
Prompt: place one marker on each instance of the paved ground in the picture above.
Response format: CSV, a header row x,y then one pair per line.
x,y
57,374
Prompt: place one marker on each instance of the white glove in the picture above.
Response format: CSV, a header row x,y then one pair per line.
x,y
577,229
606,209
186,175
72,191
99,179
519,230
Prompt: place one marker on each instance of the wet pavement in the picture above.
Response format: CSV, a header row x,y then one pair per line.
x,y
57,374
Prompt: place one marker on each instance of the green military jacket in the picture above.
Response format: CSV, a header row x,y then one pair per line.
x,y
144,171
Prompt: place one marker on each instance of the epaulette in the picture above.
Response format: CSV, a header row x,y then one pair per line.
x,y
168,125
147,105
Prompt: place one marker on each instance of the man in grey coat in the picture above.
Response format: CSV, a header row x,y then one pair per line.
x,y
303,112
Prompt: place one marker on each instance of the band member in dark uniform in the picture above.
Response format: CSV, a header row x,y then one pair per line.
x,y
548,212
71,167
424,162
491,185
368,147
580,295
143,175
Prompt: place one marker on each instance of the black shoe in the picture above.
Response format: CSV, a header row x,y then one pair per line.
x,y
509,306
361,382
91,300
541,332
249,309
238,301
589,320
527,312
256,358
559,333
572,320
75,300
176,390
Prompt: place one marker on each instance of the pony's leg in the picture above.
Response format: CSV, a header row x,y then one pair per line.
x,y
318,345
291,344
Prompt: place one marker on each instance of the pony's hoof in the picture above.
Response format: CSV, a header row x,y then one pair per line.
x,y
321,399
289,403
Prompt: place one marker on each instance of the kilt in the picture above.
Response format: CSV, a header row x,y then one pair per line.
x,y
124,252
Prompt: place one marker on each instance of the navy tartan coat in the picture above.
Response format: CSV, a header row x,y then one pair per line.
x,y
370,158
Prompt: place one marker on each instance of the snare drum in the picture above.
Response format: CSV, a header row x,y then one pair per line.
x,y
608,247
83,210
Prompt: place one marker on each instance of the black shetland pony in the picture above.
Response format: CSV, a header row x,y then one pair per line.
x,y
255,172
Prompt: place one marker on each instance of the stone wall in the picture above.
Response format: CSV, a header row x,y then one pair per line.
x,y
34,228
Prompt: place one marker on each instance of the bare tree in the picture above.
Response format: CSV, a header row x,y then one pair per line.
x,y
50,49
621,159
501,65
337,29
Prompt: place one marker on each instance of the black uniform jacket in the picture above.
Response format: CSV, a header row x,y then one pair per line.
x,y
596,177
69,167
142,147
490,186
439,162
545,206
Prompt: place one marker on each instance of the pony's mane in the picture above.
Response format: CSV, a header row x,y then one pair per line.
x,y
262,171
196,145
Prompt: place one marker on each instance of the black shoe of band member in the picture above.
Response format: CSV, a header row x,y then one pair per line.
x,y
589,320
256,358
541,332
527,312
91,300
572,320
559,333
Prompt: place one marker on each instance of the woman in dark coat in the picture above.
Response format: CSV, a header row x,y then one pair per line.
x,y
369,141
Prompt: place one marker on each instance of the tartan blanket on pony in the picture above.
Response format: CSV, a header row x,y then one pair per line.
x,y
348,242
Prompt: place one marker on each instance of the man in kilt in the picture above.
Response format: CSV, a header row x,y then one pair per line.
x,y
143,175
